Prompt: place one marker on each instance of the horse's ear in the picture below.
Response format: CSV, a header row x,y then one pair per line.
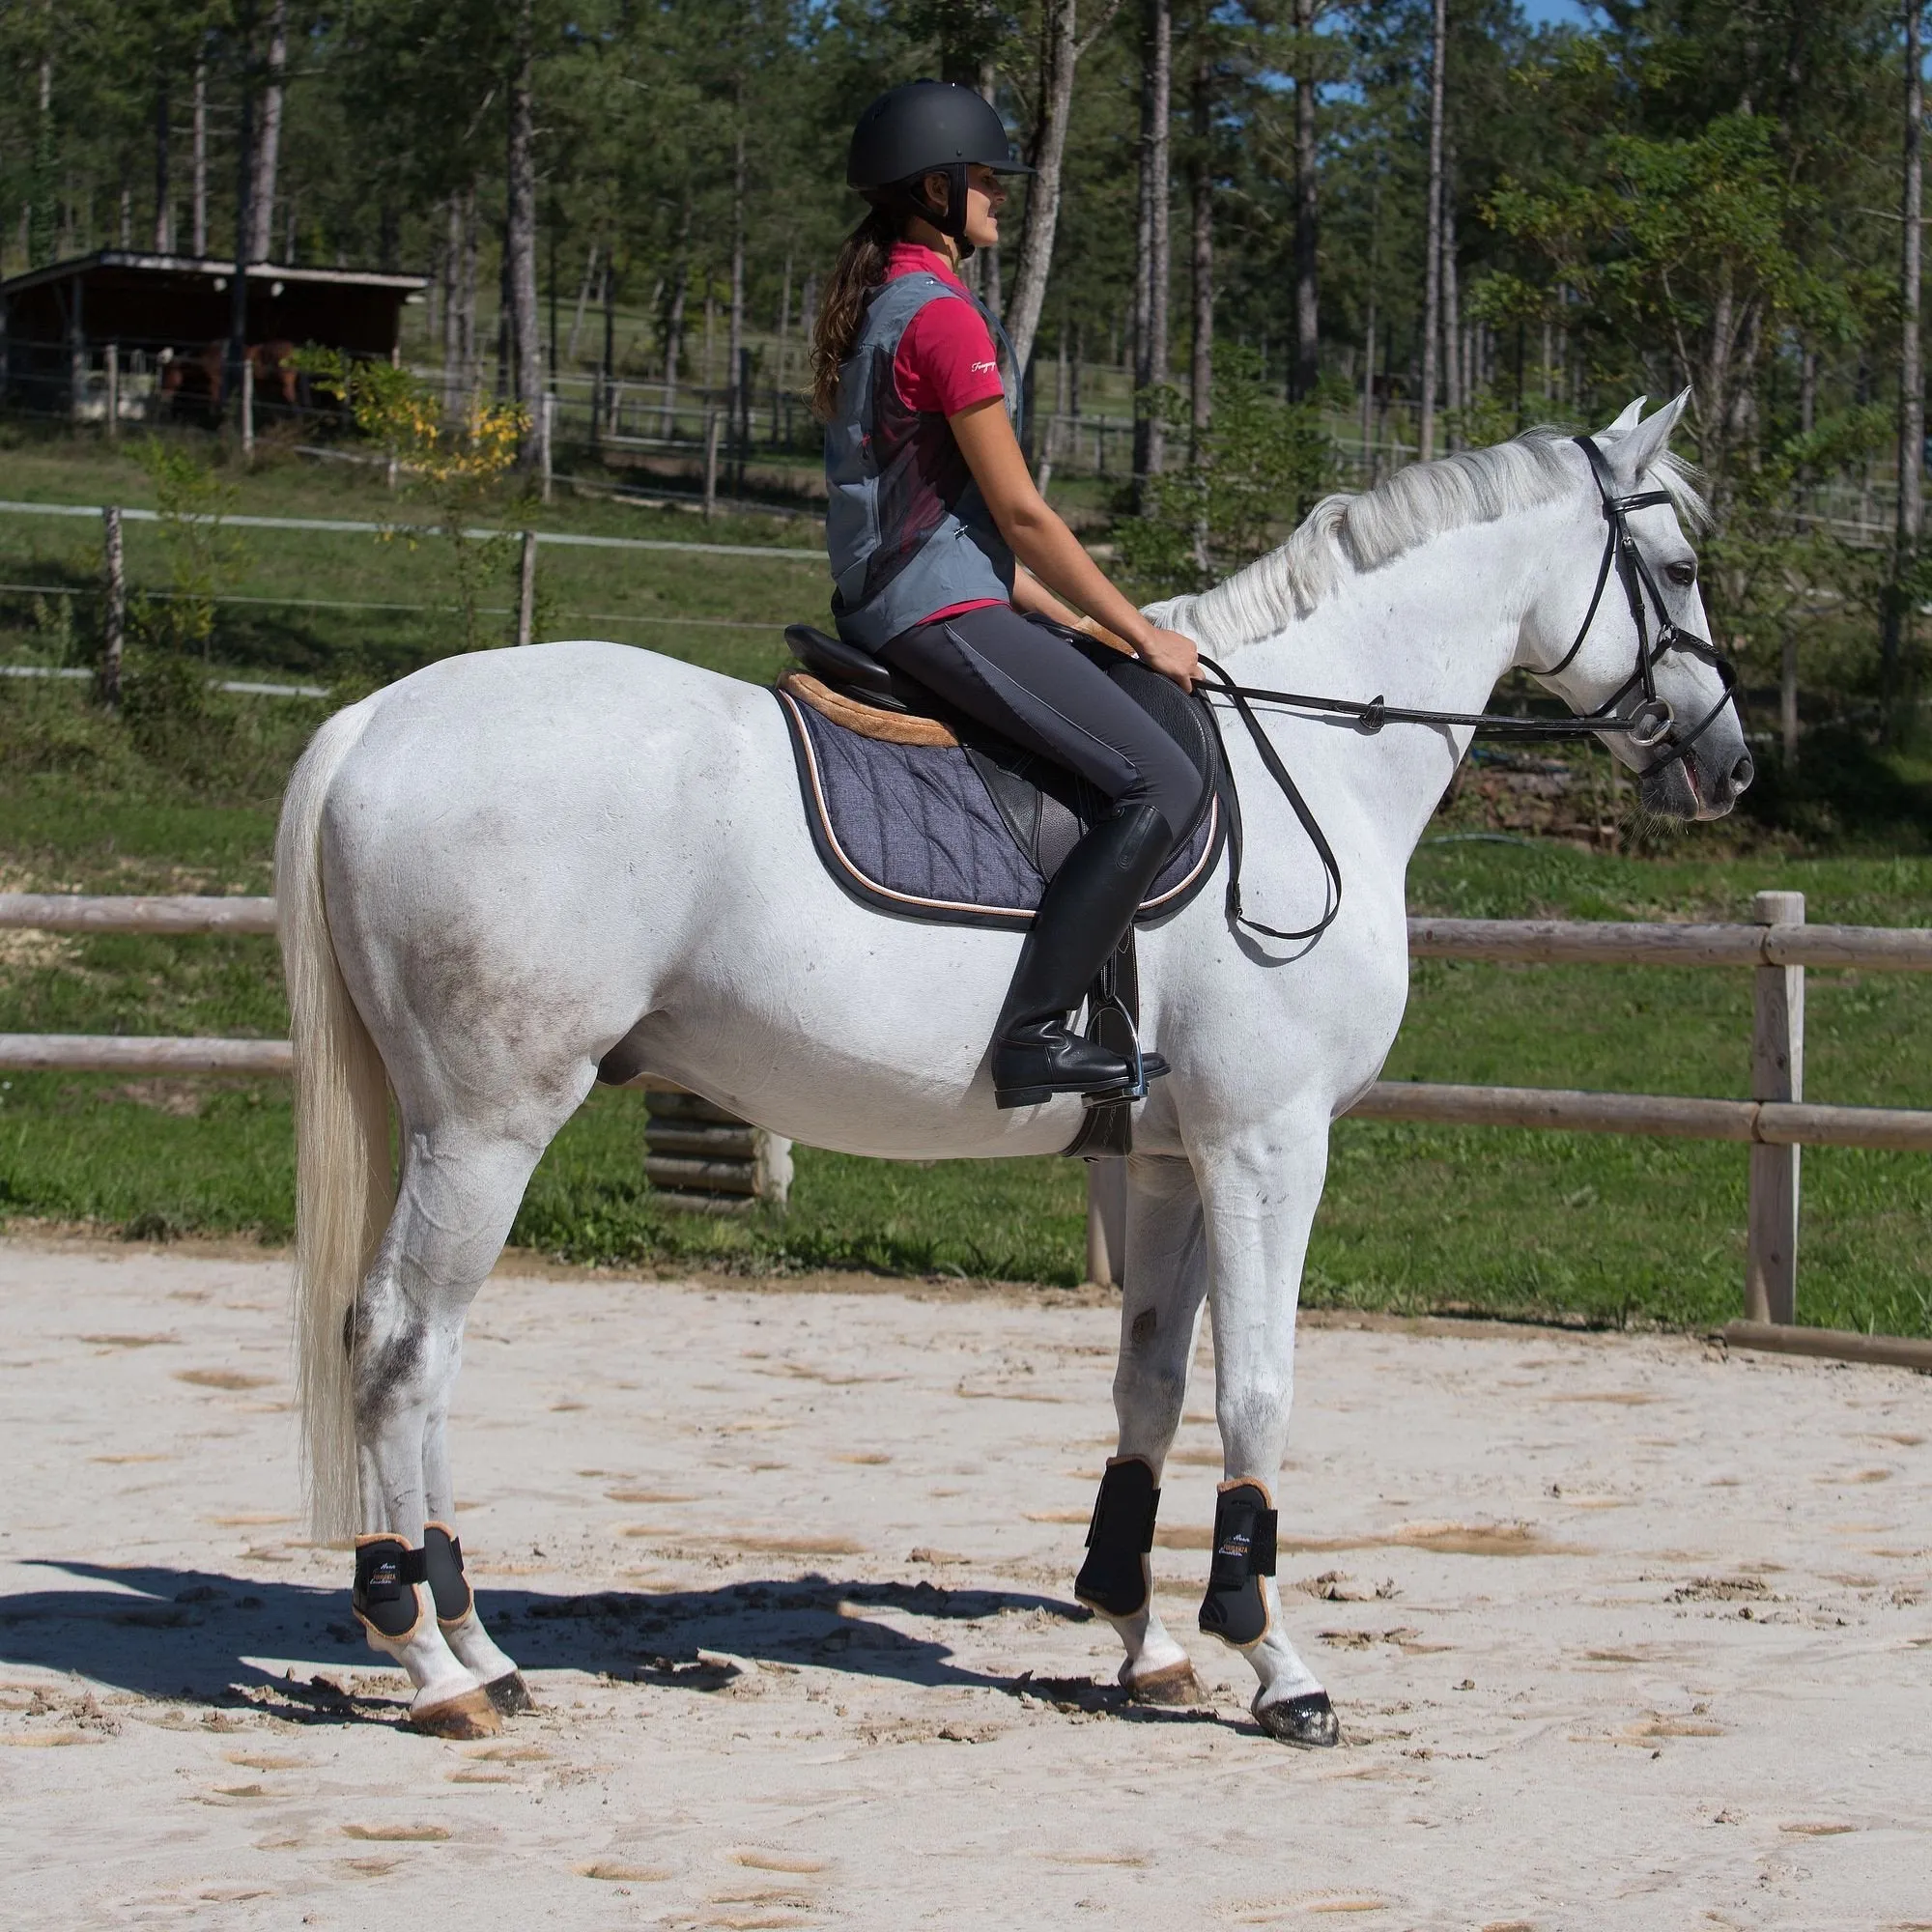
x,y
1625,423
1648,440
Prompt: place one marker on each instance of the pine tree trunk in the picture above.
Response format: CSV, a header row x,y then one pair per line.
x,y
165,190
738,406
469,347
1060,54
268,145
1369,332
1201,256
200,158
680,288
1454,347
1431,297
784,337
1307,210
577,314
41,244
607,365
1908,519
520,239
987,83
244,229
1153,268
455,265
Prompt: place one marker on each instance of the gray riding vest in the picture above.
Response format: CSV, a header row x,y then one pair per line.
x,y
907,530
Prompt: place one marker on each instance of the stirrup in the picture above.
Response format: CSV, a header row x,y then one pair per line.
x,y
1143,1067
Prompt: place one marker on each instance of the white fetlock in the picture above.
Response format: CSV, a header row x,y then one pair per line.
x,y
492,1666
450,1699
462,1628
1156,1670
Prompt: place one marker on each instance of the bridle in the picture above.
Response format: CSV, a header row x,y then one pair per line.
x,y
1650,724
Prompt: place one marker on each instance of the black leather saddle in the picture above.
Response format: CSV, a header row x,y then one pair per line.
x,y
855,673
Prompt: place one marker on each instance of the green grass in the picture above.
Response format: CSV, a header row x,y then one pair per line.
x,y
181,797
681,604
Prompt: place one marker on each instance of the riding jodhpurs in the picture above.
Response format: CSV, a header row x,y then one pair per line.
x,y
1042,685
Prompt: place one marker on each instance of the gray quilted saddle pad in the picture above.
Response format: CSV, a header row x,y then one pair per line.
x,y
969,834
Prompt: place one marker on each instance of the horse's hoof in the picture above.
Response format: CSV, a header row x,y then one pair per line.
x,y
1308,1722
1176,1685
470,1713
510,1695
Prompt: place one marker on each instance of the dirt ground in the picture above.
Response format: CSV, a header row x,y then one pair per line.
x,y
1622,1633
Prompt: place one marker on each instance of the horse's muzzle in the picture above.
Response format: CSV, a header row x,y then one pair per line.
x,y
1696,788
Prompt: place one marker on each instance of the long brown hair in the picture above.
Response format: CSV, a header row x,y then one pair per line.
x,y
860,268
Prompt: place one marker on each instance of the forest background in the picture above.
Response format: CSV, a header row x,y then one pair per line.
x,y
1271,248
1424,222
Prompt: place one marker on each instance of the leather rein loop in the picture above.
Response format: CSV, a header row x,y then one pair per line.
x,y
1633,574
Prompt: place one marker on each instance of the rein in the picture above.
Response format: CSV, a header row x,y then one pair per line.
x,y
1652,725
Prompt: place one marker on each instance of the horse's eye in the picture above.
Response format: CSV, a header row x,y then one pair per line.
x,y
1683,575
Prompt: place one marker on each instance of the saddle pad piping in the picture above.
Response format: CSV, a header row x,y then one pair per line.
x,y
1209,853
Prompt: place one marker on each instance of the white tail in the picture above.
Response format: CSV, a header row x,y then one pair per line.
x,y
345,1177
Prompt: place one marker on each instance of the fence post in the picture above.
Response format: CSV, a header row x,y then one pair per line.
x,y
526,589
770,1168
1777,1073
247,405
113,353
710,464
546,414
1106,1221
113,629
707,1161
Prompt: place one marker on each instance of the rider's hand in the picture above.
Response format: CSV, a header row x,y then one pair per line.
x,y
1173,654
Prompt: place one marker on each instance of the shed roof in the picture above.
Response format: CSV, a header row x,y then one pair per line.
x,y
143,261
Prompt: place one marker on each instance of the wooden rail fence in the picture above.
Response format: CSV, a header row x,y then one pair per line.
x,y
714,1160
699,1156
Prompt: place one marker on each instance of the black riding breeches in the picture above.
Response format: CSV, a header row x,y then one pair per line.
x,y
1041,685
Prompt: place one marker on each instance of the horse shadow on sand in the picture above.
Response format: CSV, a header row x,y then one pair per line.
x,y
201,1638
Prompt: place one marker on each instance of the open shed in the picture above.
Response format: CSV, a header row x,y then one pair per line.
x,y
142,334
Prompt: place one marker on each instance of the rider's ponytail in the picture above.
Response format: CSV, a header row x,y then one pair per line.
x,y
860,268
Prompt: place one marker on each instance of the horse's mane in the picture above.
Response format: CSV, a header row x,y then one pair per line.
x,y
1363,533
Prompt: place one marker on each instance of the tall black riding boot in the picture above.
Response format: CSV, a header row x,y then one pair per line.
x,y
1089,902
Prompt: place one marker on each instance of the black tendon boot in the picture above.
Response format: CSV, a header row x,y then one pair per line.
x,y
385,1597
442,1572
1114,1579
1235,1607
1088,903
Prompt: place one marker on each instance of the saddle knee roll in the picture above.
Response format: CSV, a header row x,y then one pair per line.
x,y
1114,1579
386,1597
1236,1607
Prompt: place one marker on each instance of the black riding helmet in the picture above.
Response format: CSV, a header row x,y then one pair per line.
x,y
928,126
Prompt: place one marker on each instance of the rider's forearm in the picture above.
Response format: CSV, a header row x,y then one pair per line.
x,y
1054,555
1030,594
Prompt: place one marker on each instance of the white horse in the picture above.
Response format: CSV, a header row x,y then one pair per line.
x,y
496,870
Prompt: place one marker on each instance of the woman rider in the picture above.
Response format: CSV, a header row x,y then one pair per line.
x,y
945,558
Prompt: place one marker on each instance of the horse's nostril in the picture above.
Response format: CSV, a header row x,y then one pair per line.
x,y
1743,772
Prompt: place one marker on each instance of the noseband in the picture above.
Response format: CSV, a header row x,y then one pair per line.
x,y
1650,724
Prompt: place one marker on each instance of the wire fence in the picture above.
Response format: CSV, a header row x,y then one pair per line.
x,y
759,432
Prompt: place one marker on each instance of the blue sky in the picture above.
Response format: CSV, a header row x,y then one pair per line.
x,y
1557,12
